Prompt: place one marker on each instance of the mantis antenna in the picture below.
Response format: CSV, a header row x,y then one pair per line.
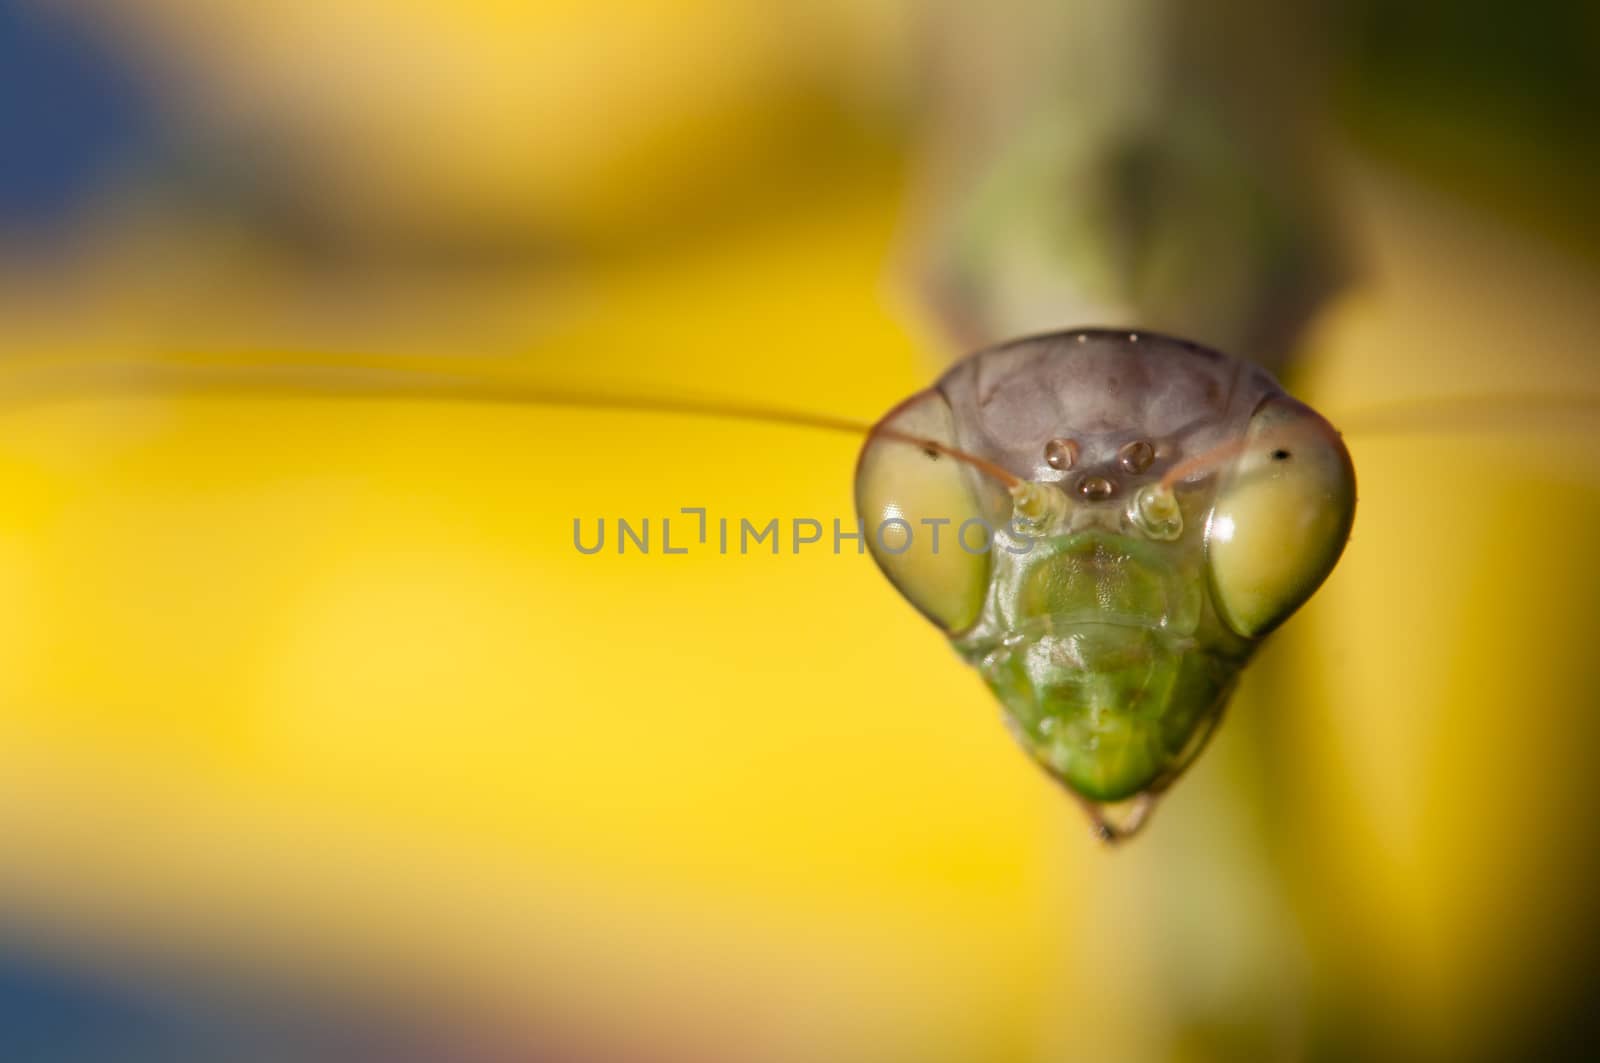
x,y
44,382
54,380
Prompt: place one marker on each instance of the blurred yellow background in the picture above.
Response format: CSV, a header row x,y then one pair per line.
x,y
313,700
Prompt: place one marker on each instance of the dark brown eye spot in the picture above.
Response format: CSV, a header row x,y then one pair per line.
x,y
1061,454
1136,456
933,455
1280,455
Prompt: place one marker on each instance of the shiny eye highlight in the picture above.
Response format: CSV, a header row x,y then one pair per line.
x,y
1282,515
913,503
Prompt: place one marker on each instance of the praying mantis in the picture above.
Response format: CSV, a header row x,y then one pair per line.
x,y
987,286
1121,177
1164,508
1152,509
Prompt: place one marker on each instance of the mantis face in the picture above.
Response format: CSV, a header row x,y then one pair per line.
x,y
1137,513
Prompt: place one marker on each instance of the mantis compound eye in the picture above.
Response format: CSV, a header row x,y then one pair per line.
x,y
1282,515
922,516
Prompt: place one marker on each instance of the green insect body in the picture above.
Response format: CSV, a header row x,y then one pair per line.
x,y
1150,510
